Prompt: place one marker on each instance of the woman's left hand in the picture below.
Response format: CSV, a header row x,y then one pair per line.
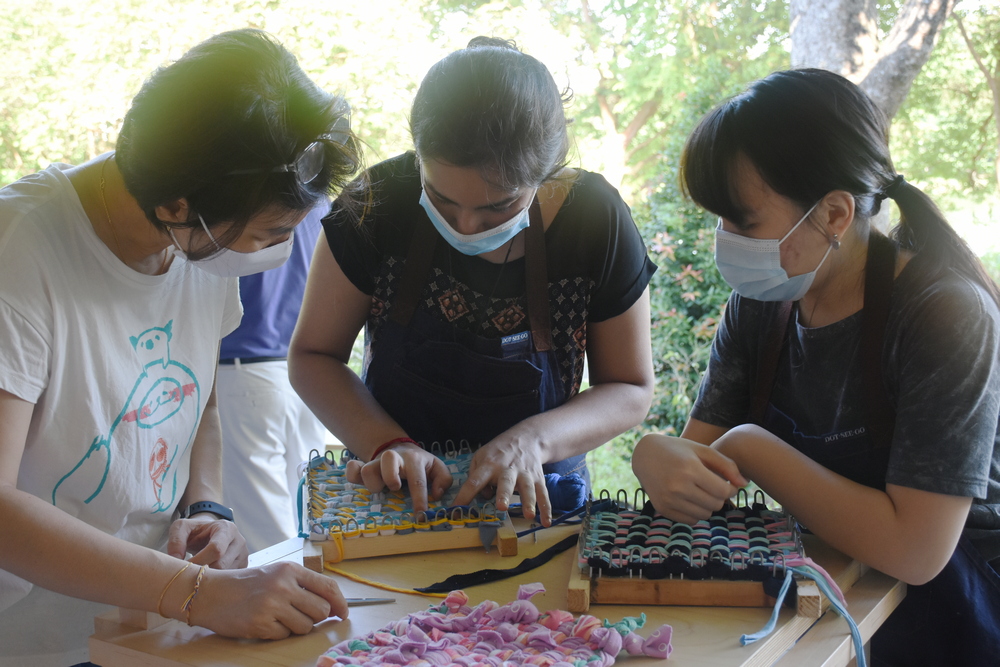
x,y
511,461
213,541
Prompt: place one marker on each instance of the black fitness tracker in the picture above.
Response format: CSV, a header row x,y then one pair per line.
x,y
218,510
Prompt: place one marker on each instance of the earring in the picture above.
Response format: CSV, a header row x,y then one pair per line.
x,y
835,243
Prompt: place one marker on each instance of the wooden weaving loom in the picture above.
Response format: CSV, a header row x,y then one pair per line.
x,y
345,521
627,554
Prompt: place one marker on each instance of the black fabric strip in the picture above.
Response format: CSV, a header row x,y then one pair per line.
x,y
460,581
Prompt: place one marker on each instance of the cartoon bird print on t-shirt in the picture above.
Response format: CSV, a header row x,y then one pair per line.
x,y
166,398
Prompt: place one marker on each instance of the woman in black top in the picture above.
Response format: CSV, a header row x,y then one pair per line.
x,y
854,377
483,270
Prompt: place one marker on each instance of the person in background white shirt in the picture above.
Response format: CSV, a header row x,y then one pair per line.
x,y
267,431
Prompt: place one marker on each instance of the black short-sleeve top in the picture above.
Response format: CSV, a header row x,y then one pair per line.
x,y
596,260
941,369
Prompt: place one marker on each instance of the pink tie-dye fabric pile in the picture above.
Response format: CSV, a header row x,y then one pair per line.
x,y
492,635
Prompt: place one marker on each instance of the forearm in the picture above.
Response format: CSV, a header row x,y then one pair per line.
x,y
205,480
870,525
342,402
588,420
49,548
621,376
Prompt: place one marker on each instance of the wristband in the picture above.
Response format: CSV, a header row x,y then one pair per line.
x,y
386,445
221,511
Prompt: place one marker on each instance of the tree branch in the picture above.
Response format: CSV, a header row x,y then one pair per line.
x,y
646,111
607,113
630,155
590,26
990,80
904,51
993,83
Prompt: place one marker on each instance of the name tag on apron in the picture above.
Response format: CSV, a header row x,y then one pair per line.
x,y
516,345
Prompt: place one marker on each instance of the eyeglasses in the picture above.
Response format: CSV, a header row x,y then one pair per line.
x,y
306,166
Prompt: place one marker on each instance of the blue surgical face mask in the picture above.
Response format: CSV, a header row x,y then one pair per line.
x,y
228,263
752,267
475,244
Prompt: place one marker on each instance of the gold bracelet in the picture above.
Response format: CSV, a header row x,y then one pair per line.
x,y
159,604
186,607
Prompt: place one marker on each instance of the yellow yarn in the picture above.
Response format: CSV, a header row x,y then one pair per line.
x,y
377,584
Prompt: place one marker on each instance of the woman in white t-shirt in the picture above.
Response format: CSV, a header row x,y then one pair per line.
x,y
117,282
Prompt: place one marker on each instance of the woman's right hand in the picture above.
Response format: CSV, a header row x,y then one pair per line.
x,y
269,602
686,481
425,474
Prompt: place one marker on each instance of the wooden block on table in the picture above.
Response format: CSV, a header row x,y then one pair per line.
x,y
142,620
312,556
809,600
506,540
578,591
107,625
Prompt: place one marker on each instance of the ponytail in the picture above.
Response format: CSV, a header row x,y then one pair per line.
x,y
924,230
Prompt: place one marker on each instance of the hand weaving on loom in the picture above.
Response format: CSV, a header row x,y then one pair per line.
x,y
735,558
744,555
336,511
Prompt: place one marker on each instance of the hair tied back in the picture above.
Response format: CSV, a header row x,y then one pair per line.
x,y
889,191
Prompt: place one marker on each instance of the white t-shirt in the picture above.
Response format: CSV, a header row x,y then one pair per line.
x,y
119,366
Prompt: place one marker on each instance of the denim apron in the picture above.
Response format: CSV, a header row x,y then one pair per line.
x,y
955,618
440,383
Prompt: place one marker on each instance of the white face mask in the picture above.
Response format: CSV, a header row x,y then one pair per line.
x,y
228,263
475,244
752,267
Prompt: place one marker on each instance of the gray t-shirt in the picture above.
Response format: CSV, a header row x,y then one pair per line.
x,y
941,370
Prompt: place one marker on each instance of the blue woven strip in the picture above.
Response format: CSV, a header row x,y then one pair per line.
x,y
771,622
824,586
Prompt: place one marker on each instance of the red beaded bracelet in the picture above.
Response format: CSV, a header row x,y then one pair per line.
x,y
386,445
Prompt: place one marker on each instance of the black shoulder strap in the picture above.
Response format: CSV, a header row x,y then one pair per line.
x,y
772,340
415,272
536,278
880,272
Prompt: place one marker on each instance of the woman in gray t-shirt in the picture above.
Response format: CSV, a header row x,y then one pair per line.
x,y
854,377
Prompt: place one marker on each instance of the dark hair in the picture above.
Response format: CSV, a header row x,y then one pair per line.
x,y
809,132
237,102
492,107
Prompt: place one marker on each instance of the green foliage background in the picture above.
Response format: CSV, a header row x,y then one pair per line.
x,y
641,74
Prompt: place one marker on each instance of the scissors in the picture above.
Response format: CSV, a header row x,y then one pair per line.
x,y
364,602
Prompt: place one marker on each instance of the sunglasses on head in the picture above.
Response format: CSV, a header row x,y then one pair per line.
x,y
306,166
309,162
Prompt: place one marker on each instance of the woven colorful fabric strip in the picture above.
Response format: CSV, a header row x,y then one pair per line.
x,y
454,633
750,542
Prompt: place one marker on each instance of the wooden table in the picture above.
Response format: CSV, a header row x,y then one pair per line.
x,y
702,636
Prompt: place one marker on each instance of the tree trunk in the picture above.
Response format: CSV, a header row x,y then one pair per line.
x,y
836,35
842,36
